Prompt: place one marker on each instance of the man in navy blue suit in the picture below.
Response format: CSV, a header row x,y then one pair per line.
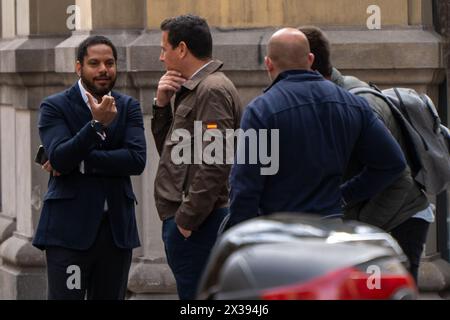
x,y
94,139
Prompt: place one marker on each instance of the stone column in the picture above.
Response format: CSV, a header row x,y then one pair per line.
x,y
1,171
150,278
121,21
8,179
32,28
8,24
7,208
7,204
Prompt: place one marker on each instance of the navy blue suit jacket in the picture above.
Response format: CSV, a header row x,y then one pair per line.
x,y
74,204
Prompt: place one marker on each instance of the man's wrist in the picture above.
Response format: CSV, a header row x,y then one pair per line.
x,y
99,128
97,125
161,112
157,105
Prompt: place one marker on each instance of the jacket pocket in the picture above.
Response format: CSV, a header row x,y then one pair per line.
x,y
183,110
64,187
184,118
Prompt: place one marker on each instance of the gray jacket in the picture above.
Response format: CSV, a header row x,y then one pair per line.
x,y
403,198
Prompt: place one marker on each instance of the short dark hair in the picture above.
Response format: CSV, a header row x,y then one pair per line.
x,y
92,41
320,47
191,29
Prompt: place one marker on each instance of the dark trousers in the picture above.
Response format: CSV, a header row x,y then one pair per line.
x,y
187,257
99,273
411,235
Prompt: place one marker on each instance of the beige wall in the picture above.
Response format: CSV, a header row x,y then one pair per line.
x,y
420,12
264,13
8,18
49,16
112,14
31,17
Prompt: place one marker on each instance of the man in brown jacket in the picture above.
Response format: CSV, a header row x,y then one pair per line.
x,y
191,193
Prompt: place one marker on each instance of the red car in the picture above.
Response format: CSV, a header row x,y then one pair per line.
x,y
304,257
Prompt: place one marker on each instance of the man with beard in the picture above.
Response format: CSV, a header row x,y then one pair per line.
x,y
94,139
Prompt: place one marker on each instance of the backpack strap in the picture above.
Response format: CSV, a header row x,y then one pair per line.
x,y
402,104
398,115
434,113
401,115
376,92
414,161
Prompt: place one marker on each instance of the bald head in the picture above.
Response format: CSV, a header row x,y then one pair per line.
x,y
289,49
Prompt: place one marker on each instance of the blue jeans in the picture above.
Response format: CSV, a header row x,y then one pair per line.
x,y
187,257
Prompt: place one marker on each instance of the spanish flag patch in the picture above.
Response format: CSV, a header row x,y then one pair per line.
x,y
211,126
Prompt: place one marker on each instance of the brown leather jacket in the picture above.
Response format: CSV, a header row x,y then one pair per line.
x,y
190,192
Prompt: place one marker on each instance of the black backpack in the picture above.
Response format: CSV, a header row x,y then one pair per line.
x,y
427,148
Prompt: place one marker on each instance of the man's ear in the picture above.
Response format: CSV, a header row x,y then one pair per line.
x,y
269,64
311,59
78,68
183,49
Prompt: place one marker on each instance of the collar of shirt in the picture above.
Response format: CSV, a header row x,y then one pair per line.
x,y
296,75
84,96
207,69
201,68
